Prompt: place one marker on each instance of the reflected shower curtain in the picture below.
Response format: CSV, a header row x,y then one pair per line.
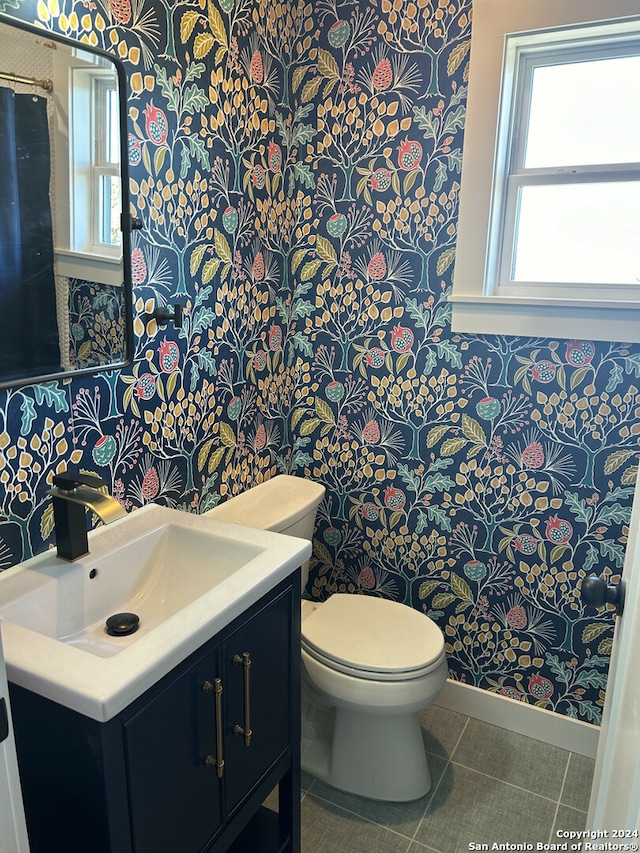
x,y
29,343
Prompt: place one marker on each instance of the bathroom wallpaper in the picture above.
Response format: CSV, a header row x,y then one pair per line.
x,y
96,324
297,169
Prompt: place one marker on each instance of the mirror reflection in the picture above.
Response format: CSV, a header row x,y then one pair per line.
x,y
64,260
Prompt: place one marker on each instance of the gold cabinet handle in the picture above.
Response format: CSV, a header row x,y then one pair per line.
x,y
211,760
244,661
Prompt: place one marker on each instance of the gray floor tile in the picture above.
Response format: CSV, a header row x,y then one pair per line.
x,y
471,807
569,819
272,800
441,730
307,780
401,817
578,781
513,758
326,828
498,787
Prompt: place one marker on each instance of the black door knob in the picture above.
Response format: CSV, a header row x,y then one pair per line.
x,y
596,592
4,720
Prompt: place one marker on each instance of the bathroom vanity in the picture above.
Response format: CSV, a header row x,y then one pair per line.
x,y
166,739
186,766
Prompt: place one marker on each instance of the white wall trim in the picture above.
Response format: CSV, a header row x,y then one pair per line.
x,y
520,718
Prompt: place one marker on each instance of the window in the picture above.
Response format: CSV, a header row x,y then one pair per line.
x,y
88,232
106,164
549,230
94,168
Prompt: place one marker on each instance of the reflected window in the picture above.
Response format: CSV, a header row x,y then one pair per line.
x,y
94,170
107,163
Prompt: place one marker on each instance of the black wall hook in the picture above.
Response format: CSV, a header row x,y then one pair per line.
x,y
163,313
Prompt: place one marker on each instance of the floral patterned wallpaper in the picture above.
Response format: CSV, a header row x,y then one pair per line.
x,y
297,168
96,324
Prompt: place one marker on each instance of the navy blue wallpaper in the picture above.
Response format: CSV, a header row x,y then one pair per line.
x,y
97,324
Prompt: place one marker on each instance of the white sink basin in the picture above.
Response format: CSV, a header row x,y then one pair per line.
x,y
154,577
185,577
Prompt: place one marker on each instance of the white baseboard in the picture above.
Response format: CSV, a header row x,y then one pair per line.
x,y
518,717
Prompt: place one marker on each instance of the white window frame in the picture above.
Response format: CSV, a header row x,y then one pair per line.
x,y
479,304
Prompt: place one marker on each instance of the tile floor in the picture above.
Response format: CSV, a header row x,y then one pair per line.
x,y
488,786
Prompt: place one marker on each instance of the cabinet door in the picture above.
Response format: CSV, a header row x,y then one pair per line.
x,y
263,690
174,789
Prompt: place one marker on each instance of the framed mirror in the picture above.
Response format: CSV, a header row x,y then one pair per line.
x,y
65,279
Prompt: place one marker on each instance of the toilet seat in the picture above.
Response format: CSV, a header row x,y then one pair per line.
x,y
373,638
370,674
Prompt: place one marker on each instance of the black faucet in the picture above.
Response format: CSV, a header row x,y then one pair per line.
x,y
72,493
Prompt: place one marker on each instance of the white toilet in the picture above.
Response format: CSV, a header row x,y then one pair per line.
x,y
370,665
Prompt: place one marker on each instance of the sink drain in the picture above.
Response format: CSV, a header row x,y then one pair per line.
x,y
121,624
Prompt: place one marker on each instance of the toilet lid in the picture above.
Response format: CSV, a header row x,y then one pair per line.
x,y
371,634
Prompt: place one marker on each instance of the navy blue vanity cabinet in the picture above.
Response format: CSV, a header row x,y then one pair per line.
x,y
186,782
186,767
256,664
175,797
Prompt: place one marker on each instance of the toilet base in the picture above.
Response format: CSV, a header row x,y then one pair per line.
x,y
379,756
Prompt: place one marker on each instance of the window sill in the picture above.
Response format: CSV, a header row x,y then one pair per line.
x,y
587,319
99,268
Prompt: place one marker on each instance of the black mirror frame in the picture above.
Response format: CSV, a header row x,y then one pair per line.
x,y
127,222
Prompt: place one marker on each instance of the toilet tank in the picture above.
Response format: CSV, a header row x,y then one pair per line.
x,y
284,504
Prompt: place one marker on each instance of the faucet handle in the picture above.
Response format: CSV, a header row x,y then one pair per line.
x,y
69,480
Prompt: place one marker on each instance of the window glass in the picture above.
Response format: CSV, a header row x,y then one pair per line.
x,y
584,113
105,166
586,232
113,127
109,226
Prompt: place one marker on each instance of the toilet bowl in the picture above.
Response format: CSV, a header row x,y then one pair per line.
x,y
369,665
